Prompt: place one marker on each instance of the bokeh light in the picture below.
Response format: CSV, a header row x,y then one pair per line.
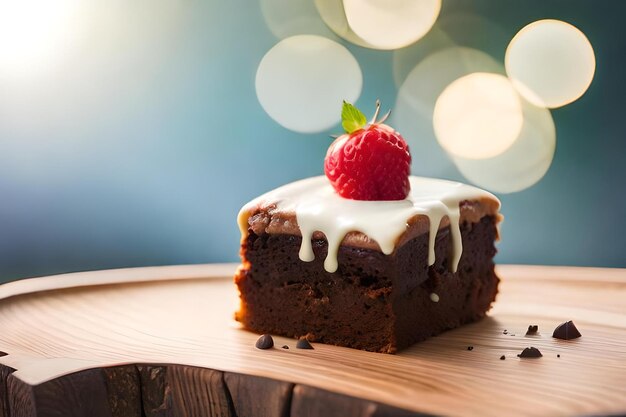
x,y
34,34
380,24
298,87
550,62
405,59
524,163
293,17
478,116
334,16
414,107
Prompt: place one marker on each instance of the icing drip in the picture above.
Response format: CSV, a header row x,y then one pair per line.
x,y
318,208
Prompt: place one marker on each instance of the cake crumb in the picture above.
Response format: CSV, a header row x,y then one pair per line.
x,y
530,352
532,330
502,357
505,331
470,348
303,343
558,356
285,347
434,297
265,342
566,331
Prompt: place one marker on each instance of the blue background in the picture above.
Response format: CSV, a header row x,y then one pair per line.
x,y
144,145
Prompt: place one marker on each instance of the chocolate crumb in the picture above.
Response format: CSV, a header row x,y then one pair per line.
x,y
470,348
505,331
303,344
532,330
3,354
566,331
502,357
512,334
285,347
265,342
530,352
558,356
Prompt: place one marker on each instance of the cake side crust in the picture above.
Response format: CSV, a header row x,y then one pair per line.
x,y
375,302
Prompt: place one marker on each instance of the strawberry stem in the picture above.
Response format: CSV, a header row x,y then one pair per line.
x,y
385,117
376,113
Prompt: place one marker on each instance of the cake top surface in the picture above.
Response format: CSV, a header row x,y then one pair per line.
x,y
318,208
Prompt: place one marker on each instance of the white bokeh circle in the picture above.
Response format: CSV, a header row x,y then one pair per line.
x,y
550,62
412,113
524,163
380,24
303,79
478,116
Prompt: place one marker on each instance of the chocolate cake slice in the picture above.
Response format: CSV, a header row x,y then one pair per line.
x,y
372,275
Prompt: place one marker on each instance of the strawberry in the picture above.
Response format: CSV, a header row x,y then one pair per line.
x,y
369,162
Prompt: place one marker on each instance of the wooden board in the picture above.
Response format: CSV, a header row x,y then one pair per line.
x,y
59,332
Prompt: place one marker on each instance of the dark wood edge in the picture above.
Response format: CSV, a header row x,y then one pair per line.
x,y
5,371
165,390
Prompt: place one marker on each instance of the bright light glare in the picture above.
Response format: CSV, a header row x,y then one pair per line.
x,y
550,62
478,116
33,33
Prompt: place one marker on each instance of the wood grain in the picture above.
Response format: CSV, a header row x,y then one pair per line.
x,y
259,397
313,402
123,391
184,391
5,371
60,340
21,398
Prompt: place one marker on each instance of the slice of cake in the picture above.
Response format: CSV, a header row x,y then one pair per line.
x,y
369,261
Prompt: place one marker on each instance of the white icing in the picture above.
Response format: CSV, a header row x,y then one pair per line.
x,y
319,208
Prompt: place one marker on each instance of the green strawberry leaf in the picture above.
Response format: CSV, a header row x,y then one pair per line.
x,y
351,118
